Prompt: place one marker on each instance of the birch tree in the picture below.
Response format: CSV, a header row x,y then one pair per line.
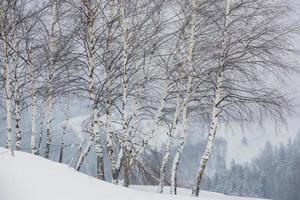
x,y
251,38
29,37
140,58
52,48
16,83
90,17
6,74
189,88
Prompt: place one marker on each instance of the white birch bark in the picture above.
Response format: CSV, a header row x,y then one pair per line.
x,y
173,189
215,108
168,150
52,37
126,143
95,137
8,100
118,164
16,86
90,43
49,123
98,145
17,115
41,131
76,154
84,153
164,162
119,160
33,141
65,127
109,128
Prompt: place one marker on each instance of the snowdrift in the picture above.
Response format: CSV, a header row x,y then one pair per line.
x,y
29,177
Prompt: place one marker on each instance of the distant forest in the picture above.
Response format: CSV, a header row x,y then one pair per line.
x,y
274,174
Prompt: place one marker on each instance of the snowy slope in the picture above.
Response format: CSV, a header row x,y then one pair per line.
x,y
29,177
204,195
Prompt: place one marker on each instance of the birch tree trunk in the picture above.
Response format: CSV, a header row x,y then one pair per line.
x,y
8,83
110,133
168,150
48,124
41,133
98,145
174,170
84,154
8,101
177,158
33,142
109,128
119,162
163,166
65,127
76,154
16,83
17,114
90,45
53,33
215,109
126,143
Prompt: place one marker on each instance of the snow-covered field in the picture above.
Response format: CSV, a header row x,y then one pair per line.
x,y
29,177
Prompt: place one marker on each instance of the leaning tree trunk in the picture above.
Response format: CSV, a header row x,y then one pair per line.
x,y
189,89
168,150
164,166
215,109
76,154
177,158
84,153
210,140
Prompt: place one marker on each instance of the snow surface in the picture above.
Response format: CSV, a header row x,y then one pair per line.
x,y
29,177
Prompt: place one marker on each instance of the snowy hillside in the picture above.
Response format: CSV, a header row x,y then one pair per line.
x,y
29,177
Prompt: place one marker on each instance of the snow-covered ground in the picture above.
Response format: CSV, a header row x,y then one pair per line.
x,y
29,177
204,195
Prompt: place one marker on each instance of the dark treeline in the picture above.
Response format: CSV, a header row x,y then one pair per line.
x,y
274,174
